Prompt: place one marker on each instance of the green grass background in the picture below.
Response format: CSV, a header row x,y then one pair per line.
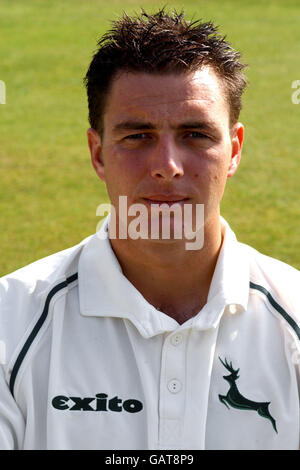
x,y
49,191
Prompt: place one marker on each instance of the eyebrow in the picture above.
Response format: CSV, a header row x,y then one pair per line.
x,y
142,125
133,125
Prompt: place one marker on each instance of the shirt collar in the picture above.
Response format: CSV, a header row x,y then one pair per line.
x,y
105,292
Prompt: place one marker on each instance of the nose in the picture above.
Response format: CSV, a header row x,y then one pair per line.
x,y
166,161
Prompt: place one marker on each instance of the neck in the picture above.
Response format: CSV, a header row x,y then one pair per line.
x,y
171,278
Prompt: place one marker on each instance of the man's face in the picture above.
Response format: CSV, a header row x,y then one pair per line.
x,y
167,138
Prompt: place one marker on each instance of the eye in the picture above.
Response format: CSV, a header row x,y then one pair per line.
x,y
136,136
197,135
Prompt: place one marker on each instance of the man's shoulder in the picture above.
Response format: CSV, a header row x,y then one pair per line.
x,y
274,278
45,271
23,292
267,263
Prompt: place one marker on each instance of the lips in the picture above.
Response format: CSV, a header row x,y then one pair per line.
x,y
169,198
165,199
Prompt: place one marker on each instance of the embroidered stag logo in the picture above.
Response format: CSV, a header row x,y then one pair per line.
x,y
236,400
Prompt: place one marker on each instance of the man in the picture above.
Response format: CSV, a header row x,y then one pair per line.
x,y
128,342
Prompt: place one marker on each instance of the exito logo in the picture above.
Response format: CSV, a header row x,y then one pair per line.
x,y
100,402
2,92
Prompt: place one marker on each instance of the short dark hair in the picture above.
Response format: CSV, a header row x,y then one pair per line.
x,y
162,43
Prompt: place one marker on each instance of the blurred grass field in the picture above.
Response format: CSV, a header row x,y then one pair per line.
x,y
49,192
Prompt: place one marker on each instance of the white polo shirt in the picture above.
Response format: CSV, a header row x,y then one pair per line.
x,y
88,363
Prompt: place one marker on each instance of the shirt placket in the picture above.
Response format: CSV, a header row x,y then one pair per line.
x,y
172,390
187,358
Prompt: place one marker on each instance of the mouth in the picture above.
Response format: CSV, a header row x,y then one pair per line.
x,y
165,199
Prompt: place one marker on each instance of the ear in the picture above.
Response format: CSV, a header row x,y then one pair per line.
x,y
236,148
94,142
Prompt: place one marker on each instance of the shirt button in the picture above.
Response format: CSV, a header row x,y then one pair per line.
x,y
232,309
174,386
176,339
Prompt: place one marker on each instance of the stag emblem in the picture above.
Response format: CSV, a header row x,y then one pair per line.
x,y
236,400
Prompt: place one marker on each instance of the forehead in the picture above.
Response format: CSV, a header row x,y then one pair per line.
x,y
171,96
